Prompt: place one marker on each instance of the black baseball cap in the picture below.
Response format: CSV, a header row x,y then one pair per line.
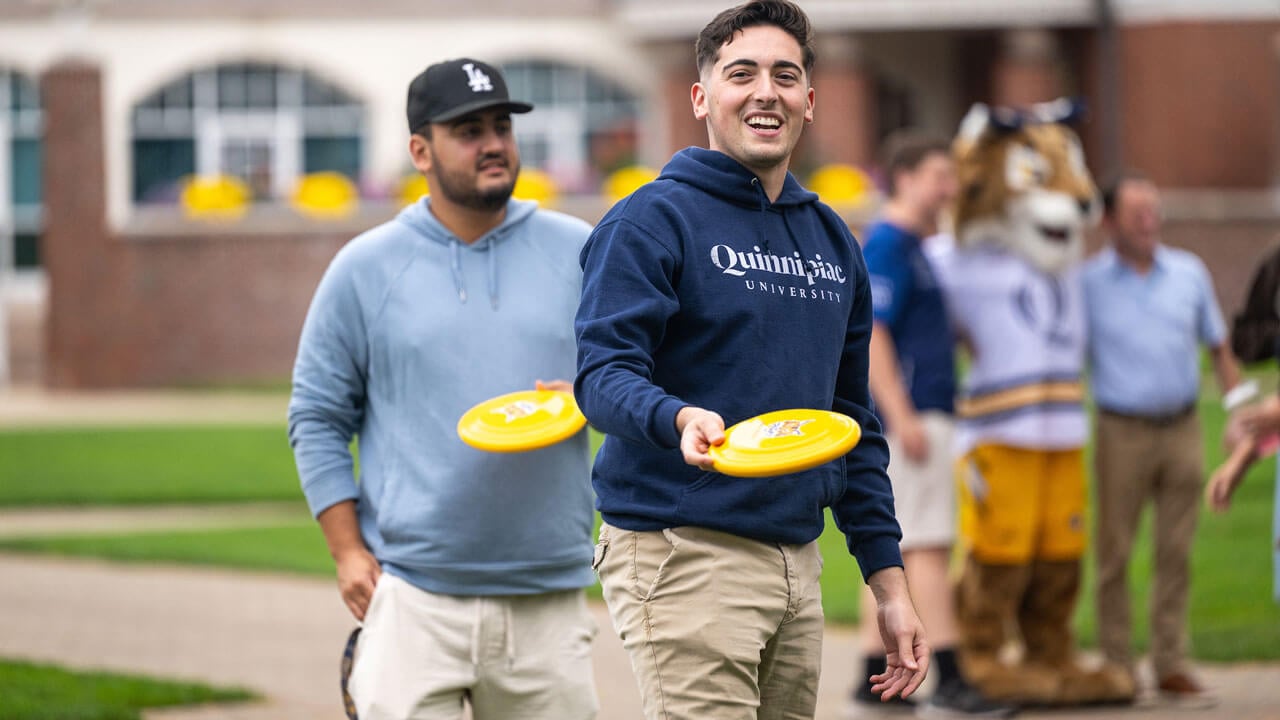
x,y
453,88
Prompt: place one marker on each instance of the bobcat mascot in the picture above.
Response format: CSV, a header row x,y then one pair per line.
x,y
1013,288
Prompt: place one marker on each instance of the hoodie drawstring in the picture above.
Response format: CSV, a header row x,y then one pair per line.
x,y
455,265
764,207
493,274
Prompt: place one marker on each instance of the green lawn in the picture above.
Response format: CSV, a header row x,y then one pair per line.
x,y
1233,616
42,692
146,465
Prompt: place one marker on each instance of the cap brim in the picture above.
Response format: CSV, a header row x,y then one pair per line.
x,y
509,105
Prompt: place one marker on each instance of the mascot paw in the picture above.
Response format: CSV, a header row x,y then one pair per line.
x,y
1104,685
1022,683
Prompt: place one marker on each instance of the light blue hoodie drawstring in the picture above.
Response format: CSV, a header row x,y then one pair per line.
x,y
455,264
493,274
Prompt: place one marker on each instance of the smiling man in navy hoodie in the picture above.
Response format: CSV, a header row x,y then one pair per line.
x,y
719,291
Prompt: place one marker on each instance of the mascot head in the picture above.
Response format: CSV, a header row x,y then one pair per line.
x,y
1023,183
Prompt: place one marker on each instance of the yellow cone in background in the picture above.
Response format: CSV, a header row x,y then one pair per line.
x,y
325,195
412,188
537,186
624,181
215,197
841,186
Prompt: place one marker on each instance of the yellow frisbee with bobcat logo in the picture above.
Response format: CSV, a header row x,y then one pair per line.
x,y
784,441
519,421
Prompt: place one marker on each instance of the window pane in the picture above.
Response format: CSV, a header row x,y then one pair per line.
x,y
158,165
336,154
177,95
26,250
26,172
23,93
260,89
232,92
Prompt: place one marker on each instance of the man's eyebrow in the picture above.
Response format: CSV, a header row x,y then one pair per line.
x,y
745,62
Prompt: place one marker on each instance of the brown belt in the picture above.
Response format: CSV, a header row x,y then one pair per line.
x,y
1158,420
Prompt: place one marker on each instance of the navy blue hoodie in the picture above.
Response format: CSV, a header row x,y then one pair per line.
x,y
699,291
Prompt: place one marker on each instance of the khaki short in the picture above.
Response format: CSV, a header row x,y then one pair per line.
x,y
420,656
924,495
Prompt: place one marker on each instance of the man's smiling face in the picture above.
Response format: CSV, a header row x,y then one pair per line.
x,y
756,98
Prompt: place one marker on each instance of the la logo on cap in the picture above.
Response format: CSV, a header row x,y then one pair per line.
x,y
477,79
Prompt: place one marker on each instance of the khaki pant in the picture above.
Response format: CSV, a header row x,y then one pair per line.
x,y
421,655
718,627
1136,461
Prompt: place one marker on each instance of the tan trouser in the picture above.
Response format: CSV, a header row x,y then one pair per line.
x,y
421,655
1136,461
718,627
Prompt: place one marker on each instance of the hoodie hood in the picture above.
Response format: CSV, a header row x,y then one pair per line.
x,y
419,217
719,175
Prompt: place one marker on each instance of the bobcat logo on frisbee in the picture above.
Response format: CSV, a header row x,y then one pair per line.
x,y
520,421
518,409
783,428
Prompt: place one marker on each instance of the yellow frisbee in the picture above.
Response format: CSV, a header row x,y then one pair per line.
x,y
519,421
784,441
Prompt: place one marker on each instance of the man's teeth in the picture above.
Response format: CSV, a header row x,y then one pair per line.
x,y
764,122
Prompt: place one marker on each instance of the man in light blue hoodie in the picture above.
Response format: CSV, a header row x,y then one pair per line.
x,y
465,568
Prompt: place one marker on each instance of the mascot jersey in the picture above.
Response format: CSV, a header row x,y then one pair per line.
x,y
1026,330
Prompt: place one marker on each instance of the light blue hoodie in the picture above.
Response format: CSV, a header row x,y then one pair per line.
x,y
408,329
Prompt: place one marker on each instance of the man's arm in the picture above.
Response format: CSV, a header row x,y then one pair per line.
x,y
906,650
627,298
890,393
358,569
326,409
1225,367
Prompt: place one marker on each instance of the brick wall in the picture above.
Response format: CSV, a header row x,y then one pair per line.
x,y
1202,103
147,309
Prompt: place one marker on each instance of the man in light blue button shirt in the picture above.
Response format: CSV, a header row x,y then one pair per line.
x,y
1150,308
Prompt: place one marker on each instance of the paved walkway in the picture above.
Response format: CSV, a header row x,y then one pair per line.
x,y
281,635
35,407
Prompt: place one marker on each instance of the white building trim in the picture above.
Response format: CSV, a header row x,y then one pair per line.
x,y
374,60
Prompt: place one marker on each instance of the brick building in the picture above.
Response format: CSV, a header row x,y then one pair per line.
x,y
109,104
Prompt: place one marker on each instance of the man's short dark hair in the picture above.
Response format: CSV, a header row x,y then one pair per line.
x,y
904,150
1111,189
780,13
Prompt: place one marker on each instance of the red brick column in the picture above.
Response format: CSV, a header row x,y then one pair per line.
x,y
844,127
74,245
678,74
1029,69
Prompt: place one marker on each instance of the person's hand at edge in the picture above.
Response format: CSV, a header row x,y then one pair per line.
x,y
560,385
906,649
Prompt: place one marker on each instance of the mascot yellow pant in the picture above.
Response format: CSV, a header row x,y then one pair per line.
x,y
1022,525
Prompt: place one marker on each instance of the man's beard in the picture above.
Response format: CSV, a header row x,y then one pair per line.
x,y
459,188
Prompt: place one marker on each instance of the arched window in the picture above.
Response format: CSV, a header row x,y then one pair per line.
x,y
263,123
21,129
584,126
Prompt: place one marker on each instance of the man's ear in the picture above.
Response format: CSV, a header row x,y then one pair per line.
x,y
420,153
698,94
